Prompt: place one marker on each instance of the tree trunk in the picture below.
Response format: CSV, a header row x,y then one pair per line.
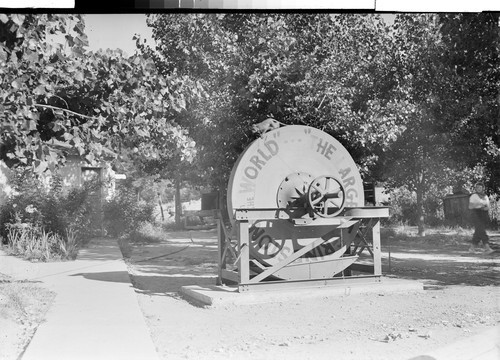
x,y
161,207
178,203
222,204
420,205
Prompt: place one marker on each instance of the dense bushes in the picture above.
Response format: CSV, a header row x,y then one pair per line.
x,y
124,214
403,205
403,209
40,221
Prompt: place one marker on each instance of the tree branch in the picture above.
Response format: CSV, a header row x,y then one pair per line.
x,y
61,99
65,110
321,103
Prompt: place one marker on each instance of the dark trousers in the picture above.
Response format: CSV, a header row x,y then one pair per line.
x,y
480,219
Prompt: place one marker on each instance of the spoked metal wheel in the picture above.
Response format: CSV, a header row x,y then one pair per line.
x,y
326,196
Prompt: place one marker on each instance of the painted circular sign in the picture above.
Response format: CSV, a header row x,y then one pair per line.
x,y
260,170
280,167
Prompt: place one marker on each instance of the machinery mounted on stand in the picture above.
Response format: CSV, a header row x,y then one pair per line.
x,y
298,217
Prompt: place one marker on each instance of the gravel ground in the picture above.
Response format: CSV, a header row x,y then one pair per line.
x,y
461,299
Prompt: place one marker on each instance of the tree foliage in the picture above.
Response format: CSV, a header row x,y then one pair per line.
x,y
449,73
450,83
58,95
470,106
415,103
323,70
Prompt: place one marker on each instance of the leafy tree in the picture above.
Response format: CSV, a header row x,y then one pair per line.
x,y
317,69
148,165
416,158
389,94
179,171
469,106
58,94
450,85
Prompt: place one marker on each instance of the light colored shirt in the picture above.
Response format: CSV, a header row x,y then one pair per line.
x,y
479,202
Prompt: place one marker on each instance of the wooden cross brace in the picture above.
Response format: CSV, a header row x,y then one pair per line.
x,y
362,238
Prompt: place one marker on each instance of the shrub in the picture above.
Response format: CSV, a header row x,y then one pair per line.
x,y
403,206
124,213
34,243
41,222
76,214
147,233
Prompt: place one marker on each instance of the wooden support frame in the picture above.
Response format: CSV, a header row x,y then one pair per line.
x,y
313,283
286,261
362,240
248,275
244,255
370,228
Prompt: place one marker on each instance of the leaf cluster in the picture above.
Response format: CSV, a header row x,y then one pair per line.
x,y
324,70
59,98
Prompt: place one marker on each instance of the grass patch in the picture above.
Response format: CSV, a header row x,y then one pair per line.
x,y
438,235
148,233
35,244
23,299
23,306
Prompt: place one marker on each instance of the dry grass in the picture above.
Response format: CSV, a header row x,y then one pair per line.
x,y
436,235
23,306
148,233
35,244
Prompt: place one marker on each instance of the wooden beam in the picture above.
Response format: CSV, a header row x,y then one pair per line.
x,y
377,253
244,255
287,261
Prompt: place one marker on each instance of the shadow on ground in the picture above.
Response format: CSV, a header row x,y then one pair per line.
x,y
168,286
100,249
444,264
110,276
163,268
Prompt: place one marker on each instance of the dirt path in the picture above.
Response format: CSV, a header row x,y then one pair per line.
x,y
461,299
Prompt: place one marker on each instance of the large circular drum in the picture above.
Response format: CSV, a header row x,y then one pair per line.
x,y
297,153
297,167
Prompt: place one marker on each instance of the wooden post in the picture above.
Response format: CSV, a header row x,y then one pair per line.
x,y
222,243
244,261
377,253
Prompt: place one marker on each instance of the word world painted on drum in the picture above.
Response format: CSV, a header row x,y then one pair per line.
x,y
271,148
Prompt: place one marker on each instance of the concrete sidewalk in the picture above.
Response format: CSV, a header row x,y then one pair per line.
x,y
483,346
95,314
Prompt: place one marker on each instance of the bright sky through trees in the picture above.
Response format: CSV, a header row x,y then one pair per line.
x,y
115,31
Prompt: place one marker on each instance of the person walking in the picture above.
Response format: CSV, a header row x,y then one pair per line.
x,y
479,206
